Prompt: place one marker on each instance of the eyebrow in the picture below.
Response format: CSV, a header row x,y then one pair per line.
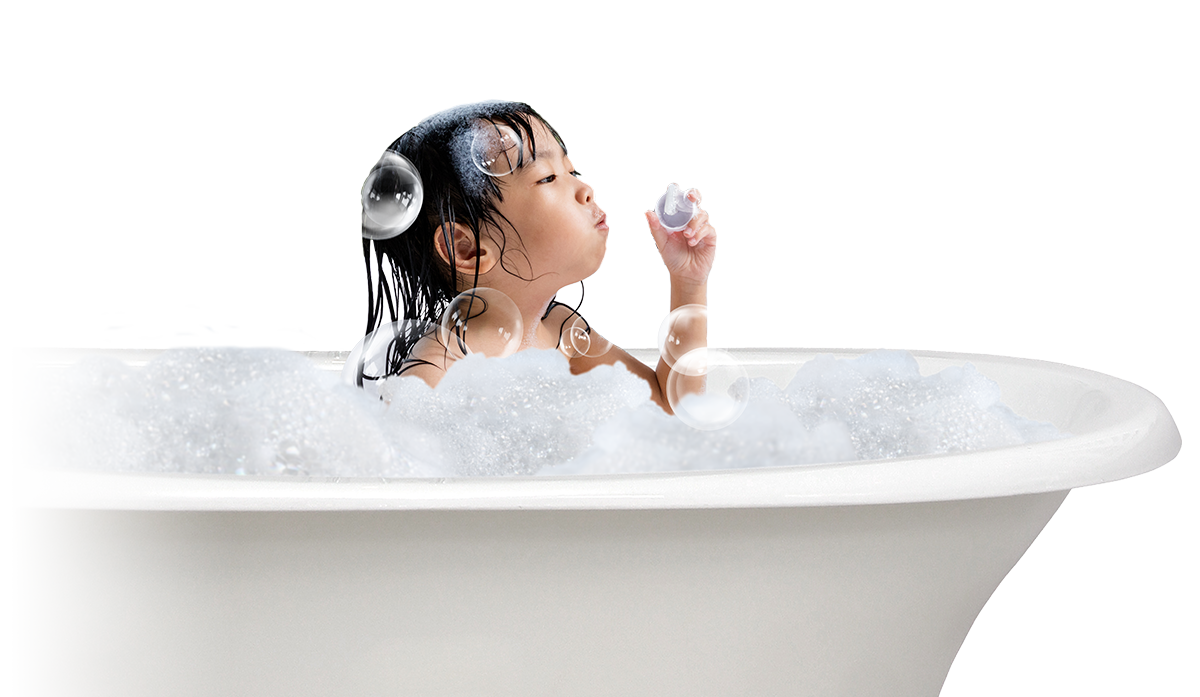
x,y
534,154
563,150
533,157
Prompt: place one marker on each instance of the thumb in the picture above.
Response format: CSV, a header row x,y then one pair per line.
x,y
656,229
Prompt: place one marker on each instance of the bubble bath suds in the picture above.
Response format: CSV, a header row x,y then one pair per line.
x,y
268,411
472,178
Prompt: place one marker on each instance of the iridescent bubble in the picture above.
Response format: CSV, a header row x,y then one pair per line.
x,y
391,197
495,149
579,340
674,209
708,389
684,321
481,320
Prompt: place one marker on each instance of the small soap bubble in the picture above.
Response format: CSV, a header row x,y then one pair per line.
x,y
391,197
579,340
481,320
495,149
288,458
708,389
674,209
683,321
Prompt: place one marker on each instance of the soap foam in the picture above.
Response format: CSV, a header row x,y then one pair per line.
x,y
273,412
465,121
243,411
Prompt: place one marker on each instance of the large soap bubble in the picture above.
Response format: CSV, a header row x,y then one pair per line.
x,y
391,197
683,320
708,389
674,209
481,320
369,359
495,149
578,339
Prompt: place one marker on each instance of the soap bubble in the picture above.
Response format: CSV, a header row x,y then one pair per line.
x,y
481,320
674,209
708,389
391,197
683,320
495,149
579,340
369,359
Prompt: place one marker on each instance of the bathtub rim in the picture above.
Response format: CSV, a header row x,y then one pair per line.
x,y
1138,436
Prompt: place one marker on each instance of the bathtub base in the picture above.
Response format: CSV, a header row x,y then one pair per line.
x,y
844,600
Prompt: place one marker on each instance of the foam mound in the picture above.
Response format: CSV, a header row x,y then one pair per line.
x,y
272,412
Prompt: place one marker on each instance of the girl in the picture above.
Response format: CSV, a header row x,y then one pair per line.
x,y
527,233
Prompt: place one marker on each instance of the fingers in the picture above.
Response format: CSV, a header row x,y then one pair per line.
x,y
697,230
655,224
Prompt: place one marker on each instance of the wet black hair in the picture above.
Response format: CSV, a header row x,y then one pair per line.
x,y
406,278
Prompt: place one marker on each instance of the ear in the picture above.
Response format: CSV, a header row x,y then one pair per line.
x,y
462,241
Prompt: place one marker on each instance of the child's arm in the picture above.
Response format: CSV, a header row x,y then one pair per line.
x,y
690,335
688,255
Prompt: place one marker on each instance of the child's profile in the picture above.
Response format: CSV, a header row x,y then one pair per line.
x,y
527,230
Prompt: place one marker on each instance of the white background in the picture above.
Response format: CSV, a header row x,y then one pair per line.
x,y
867,264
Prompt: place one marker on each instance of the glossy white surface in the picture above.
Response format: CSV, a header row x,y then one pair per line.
x,y
850,578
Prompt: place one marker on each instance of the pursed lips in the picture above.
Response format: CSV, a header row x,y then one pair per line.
x,y
602,222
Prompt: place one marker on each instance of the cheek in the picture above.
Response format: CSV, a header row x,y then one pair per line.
x,y
537,240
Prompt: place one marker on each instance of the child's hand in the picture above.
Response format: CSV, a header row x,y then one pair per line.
x,y
688,253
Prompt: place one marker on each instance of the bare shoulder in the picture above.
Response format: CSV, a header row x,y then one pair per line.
x,y
560,320
428,360
561,316
558,316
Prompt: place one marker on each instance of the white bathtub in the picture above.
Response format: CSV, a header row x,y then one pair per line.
x,y
843,579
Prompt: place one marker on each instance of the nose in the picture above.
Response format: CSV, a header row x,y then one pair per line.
x,y
584,193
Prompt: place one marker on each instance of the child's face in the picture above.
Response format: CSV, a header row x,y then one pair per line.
x,y
562,229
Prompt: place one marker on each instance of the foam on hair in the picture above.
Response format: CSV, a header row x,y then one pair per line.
x,y
464,120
